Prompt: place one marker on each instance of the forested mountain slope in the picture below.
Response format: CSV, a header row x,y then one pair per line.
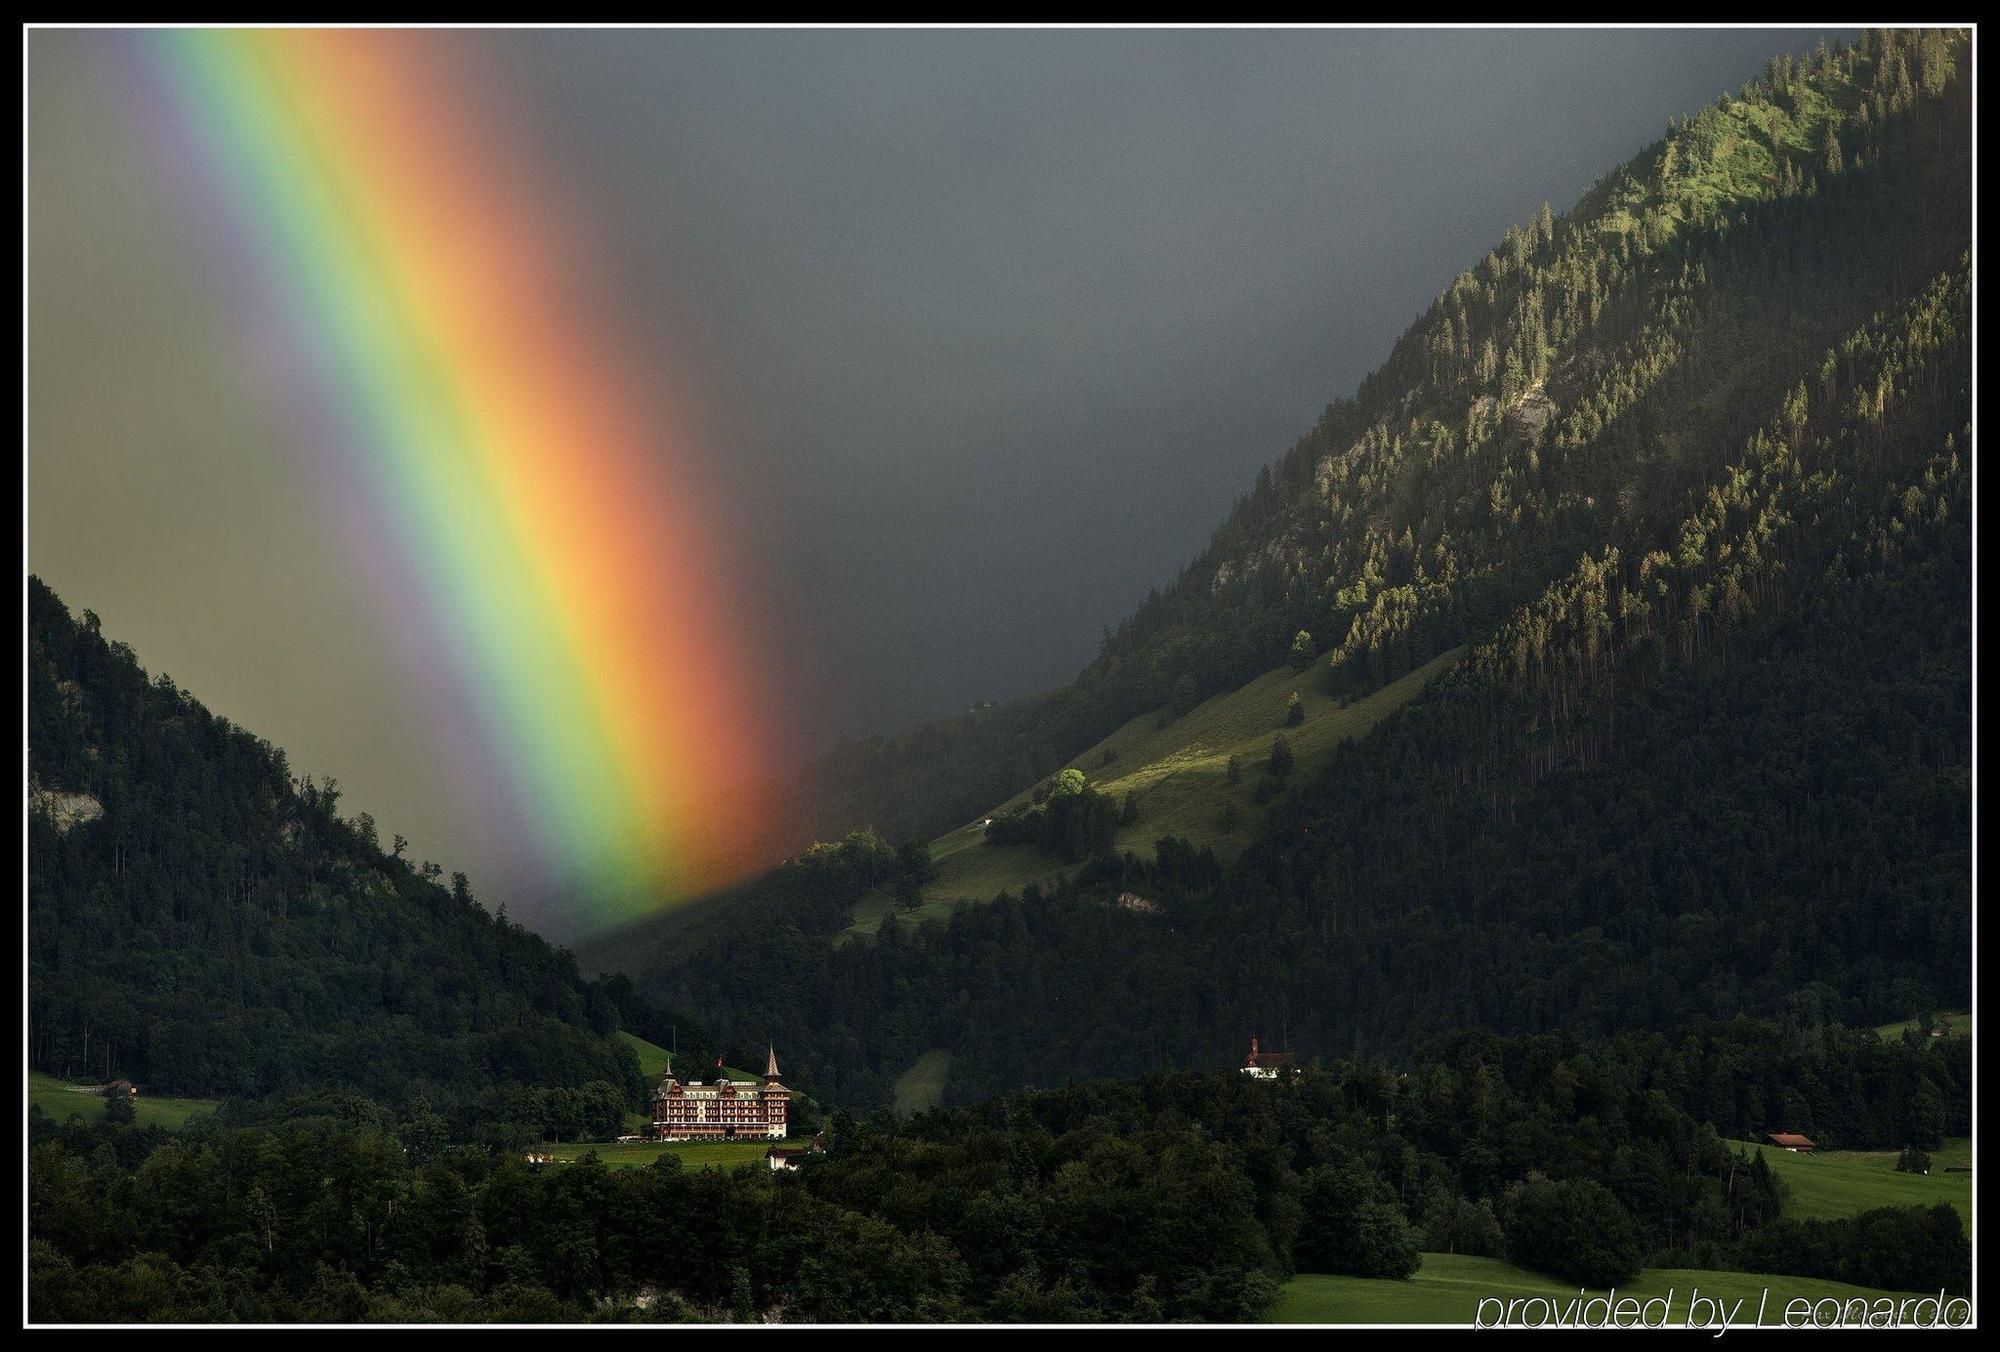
x,y
1576,387
201,922
1686,469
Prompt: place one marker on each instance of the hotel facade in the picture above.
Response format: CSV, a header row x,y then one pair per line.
x,y
723,1110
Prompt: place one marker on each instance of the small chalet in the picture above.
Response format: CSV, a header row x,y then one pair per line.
x,y
791,1156
1263,1065
1792,1141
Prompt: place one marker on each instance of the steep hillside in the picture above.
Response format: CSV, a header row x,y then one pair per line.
x,y
1575,387
202,922
1685,473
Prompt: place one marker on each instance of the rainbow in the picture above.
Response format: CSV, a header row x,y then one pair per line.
x,y
541,493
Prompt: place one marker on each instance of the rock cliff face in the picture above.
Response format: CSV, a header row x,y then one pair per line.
x,y
67,810
1531,413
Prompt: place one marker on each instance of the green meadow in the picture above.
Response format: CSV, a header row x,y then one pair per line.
x,y
1959,1020
1179,776
1448,1288
55,1098
875,904
653,1060
636,1154
652,1064
1829,1184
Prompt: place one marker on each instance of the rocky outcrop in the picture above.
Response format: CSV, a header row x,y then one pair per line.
x,y
66,810
1531,412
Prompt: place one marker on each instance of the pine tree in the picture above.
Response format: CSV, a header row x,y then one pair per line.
x,y
1303,651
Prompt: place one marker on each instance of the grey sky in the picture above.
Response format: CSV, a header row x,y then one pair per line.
x,y
998,324
989,330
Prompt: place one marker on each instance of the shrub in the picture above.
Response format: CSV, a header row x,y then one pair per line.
x,y
1353,1224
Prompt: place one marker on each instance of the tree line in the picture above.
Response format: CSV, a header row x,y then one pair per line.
x,y
1172,1196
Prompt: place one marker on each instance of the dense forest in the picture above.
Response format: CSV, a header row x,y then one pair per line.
x,y
203,922
1709,749
1169,1197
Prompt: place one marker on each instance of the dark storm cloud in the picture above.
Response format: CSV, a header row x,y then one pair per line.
x,y
994,326
986,331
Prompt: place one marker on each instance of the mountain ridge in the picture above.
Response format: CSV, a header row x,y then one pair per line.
x,y
1319,543
204,922
1744,360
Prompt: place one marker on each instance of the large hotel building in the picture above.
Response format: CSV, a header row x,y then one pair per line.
x,y
725,1110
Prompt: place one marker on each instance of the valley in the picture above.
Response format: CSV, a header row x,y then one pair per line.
x,y
1549,785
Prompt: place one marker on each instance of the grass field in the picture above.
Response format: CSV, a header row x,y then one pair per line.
x,y
1449,1287
653,1060
922,1085
652,1064
55,1099
1834,1183
652,1057
874,905
1179,774
635,1154
1959,1019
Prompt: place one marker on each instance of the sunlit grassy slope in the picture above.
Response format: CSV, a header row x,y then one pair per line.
x,y
1449,1287
652,1057
1179,773
53,1096
1835,1183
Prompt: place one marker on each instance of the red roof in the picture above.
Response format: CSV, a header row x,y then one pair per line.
x,y
1260,1057
1791,1140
